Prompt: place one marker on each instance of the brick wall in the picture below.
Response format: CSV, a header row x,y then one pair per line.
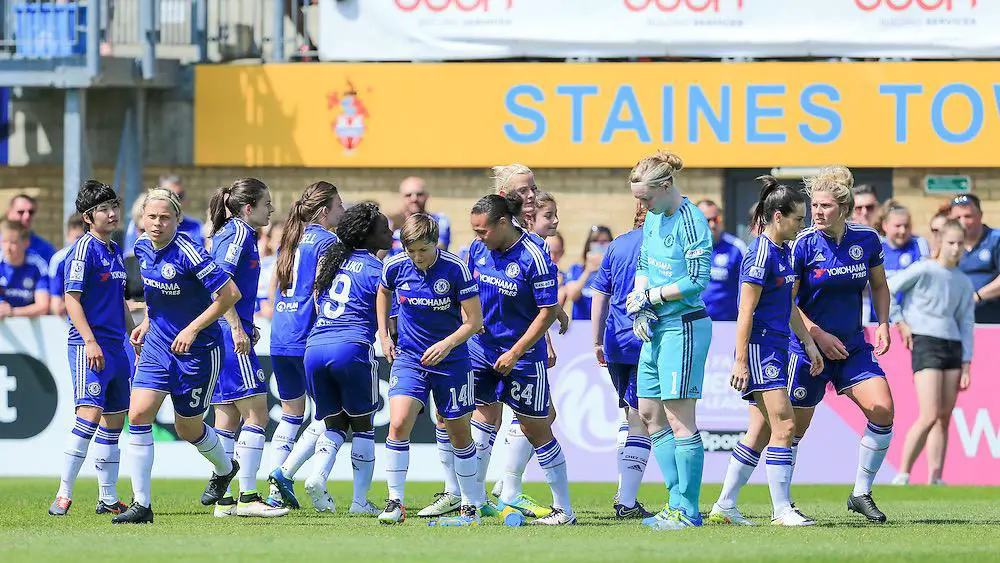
x,y
586,196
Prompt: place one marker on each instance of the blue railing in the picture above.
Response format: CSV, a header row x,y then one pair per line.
x,y
188,30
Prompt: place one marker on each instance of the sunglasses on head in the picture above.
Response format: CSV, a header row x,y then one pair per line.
x,y
965,199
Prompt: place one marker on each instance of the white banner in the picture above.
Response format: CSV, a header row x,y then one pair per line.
x,y
402,30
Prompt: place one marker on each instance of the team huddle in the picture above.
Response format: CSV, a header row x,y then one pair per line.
x,y
467,336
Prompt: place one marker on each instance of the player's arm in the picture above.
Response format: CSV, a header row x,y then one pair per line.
x,y
231,254
95,356
225,298
599,305
749,297
881,299
992,289
543,282
383,302
798,326
472,315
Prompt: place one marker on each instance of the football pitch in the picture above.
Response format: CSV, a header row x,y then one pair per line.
x,y
926,524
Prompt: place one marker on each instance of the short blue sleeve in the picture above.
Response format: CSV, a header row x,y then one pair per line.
x,y
602,279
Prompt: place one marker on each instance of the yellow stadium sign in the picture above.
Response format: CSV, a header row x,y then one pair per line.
x,y
599,115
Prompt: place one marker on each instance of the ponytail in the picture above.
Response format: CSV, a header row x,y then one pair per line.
x,y
774,197
217,207
304,210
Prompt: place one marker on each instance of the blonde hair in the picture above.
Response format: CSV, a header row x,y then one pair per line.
x,y
163,194
657,171
419,227
502,176
836,181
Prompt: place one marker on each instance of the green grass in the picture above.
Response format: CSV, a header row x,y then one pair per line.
x,y
926,524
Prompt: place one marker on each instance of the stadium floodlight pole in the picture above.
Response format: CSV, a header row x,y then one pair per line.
x,y
94,39
278,38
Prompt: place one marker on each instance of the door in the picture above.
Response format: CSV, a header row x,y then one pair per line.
x,y
742,190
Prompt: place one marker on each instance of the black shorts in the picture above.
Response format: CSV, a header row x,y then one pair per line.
x,y
935,353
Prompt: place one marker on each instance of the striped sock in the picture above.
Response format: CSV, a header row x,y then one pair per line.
x,y
620,447
107,457
741,465
75,454
304,449
483,435
466,468
249,451
689,453
779,477
553,462
211,449
363,463
326,455
631,468
397,453
283,439
871,454
140,450
447,456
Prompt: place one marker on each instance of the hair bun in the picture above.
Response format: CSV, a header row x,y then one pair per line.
x,y
837,174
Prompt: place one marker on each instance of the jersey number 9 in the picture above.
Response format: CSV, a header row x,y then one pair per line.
x,y
340,291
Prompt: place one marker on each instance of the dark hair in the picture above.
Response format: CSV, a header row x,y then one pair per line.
x,y
76,221
17,227
314,199
229,200
864,189
93,193
354,229
496,207
774,196
595,230
515,204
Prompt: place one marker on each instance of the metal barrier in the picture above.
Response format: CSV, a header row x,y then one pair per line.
x,y
188,30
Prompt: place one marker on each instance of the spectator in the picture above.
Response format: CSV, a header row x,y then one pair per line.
x,y
722,292
188,225
557,247
936,224
867,210
900,246
24,280
134,295
581,277
937,323
981,260
75,228
22,209
413,191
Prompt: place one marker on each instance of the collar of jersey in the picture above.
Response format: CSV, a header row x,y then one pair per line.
x,y
524,233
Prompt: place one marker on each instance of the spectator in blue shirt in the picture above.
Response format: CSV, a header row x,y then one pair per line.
x,y
75,228
414,193
723,289
981,260
24,279
581,276
22,209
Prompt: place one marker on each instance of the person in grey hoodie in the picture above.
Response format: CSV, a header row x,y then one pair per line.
x,y
937,319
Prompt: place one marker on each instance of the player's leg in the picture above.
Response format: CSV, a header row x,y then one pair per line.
x,y
634,452
364,401
403,412
937,441
290,379
363,464
450,499
661,435
805,391
775,406
324,385
143,405
742,462
193,380
485,420
927,383
454,400
88,396
116,379
870,391
526,391
250,451
227,426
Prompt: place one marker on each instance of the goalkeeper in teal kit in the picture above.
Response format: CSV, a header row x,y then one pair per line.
x,y
670,319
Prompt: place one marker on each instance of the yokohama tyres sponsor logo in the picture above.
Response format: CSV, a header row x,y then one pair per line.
x,y
466,6
695,6
912,5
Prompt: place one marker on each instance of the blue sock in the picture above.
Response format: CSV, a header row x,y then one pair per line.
x,y
663,451
690,455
